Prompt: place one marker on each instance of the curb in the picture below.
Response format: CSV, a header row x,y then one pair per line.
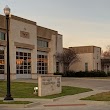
x,y
12,105
56,99
20,105
32,104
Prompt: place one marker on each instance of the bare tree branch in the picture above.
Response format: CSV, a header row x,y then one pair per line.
x,y
68,57
107,52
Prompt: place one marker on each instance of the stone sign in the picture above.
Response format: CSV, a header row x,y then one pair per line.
x,y
49,84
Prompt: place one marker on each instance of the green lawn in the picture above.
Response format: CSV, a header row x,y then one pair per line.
x,y
105,96
25,90
67,90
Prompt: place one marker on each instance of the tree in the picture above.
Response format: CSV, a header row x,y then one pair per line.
x,y
67,58
107,52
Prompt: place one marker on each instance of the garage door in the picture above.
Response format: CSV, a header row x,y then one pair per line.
x,y
23,63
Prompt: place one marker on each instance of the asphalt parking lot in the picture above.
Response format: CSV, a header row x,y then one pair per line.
x,y
100,84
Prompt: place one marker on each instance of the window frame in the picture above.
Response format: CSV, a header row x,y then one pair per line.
x,y
42,64
86,66
42,43
2,60
25,60
4,34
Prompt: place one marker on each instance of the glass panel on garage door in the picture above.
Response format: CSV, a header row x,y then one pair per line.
x,y
2,63
23,63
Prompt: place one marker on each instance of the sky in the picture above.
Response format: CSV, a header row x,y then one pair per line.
x,y
81,22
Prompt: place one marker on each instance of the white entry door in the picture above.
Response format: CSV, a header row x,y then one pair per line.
x,y
42,62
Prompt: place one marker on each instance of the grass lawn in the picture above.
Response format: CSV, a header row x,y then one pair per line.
x,y
105,96
25,90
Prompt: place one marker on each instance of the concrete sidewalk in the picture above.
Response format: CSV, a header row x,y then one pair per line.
x,y
65,100
73,99
73,102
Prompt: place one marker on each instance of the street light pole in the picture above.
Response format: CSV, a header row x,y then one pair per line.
x,y
7,13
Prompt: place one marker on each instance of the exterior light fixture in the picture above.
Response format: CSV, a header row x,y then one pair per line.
x,y
7,13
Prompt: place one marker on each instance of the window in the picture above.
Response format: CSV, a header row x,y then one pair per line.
x,y
42,43
97,56
23,63
2,62
97,66
86,66
57,66
107,68
2,36
42,64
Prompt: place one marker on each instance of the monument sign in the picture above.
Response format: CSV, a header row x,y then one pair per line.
x,y
49,85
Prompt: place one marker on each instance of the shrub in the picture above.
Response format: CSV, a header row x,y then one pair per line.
x,y
108,73
84,74
70,74
98,74
66,74
93,74
80,74
57,73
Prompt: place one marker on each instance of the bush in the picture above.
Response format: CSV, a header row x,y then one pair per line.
x,y
80,74
84,74
69,74
66,74
108,73
58,73
98,74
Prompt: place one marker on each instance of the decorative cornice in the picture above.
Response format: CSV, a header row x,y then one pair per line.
x,y
23,45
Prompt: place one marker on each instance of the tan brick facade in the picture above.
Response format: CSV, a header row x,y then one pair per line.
x,y
23,37
2,22
89,58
